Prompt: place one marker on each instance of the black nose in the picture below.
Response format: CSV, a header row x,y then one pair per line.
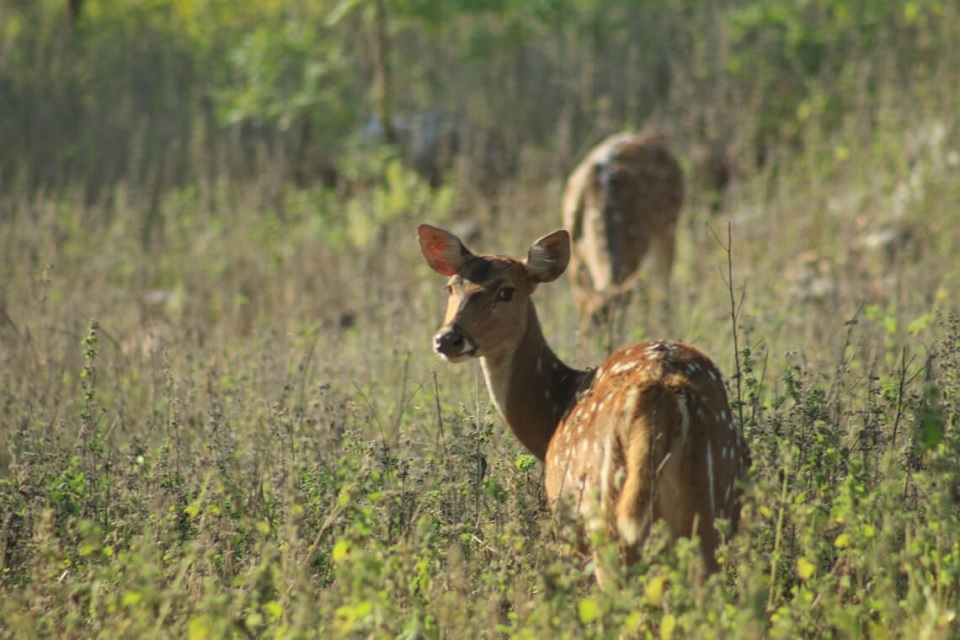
x,y
448,342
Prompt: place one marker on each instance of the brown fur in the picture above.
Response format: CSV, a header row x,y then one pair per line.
x,y
622,202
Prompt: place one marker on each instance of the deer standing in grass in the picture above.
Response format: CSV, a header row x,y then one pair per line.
x,y
646,435
622,202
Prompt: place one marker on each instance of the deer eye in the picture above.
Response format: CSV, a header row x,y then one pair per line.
x,y
506,294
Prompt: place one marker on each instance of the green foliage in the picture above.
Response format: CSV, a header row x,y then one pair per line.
x,y
252,437
802,58
286,70
287,481
403,196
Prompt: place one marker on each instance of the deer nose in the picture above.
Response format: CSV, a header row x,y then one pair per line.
x,y
450,342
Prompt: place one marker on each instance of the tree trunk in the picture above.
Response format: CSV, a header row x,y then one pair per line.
x,y
383,79
74,9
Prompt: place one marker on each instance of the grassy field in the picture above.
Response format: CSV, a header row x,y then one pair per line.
x,y
220,414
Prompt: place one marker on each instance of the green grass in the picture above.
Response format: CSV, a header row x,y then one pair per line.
x,y
220,415
241,431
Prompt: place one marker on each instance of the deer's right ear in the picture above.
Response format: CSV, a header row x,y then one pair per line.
x,y
444,252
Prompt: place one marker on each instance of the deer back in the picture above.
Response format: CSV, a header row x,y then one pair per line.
x,y
651,436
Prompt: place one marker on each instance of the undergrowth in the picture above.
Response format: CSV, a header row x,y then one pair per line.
x,y
220,415
220,455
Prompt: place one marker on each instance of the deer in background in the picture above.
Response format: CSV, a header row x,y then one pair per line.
x,y
622,202
646,435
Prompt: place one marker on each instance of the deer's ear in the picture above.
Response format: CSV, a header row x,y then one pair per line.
x,y
548,256
444,252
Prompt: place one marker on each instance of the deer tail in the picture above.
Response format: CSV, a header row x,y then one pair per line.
x,y
651,426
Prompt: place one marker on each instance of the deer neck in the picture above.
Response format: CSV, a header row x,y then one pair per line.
x,y
531,387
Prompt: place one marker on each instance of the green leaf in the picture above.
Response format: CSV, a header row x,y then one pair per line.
x,y
341,551
525,461
653,592
274,610
588,609
805,568
199,628
667,626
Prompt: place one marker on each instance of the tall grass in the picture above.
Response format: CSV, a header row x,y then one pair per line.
x,y
220,415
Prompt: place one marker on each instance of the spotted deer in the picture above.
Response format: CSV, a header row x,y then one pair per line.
x,y
646,435
621,203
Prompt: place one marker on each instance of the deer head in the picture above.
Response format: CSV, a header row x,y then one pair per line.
x,y
483,289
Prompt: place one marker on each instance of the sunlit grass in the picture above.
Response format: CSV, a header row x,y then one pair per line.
x,y
220,415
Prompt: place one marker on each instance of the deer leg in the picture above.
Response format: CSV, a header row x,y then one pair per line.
x,y
663,255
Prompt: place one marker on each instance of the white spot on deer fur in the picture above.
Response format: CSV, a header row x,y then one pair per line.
x,y
606,470
539,364
713,506
620,367
713,375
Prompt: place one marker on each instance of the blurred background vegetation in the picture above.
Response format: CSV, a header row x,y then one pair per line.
x,y
219,411
164,93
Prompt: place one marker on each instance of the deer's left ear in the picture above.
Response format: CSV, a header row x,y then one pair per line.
x,y
548,256
444,252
